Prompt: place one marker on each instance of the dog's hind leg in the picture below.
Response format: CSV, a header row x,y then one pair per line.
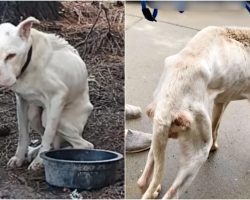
x,y
73,136
35,122
159,141
218,110
32,152
35,118
72,122
195,147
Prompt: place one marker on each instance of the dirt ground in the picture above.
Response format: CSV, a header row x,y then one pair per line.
x,y
103,52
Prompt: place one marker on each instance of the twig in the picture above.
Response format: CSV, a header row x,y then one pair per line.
x,y
85,41
20,178
107,17
11,108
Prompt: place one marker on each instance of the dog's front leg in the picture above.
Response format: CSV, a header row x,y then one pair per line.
x,y
53,112
146,176
194,152
158,145
23,139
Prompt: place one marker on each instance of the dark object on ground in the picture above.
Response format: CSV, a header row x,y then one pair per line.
x,y
147,14
81,168
16,11
4,130
137,141
132,112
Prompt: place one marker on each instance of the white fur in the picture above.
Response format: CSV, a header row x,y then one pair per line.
x,y
52,93
194,90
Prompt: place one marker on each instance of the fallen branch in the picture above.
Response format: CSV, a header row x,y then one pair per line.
x,y
85,41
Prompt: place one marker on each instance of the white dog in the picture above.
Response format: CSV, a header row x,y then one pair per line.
x,y
50,82
194,90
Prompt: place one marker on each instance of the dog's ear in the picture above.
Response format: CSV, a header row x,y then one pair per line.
x,y
25,26
150,110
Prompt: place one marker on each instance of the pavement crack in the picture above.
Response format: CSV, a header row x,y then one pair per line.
x,y
182,26
137,21
162,21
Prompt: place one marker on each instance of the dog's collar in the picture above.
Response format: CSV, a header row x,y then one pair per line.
x,y
26,63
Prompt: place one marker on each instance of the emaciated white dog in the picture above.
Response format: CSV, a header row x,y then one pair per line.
x,y
194,90
50,82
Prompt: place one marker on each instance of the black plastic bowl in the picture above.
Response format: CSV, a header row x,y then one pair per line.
x,y
81,169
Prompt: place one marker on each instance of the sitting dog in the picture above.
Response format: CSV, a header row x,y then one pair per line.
x,y
50,82
196,86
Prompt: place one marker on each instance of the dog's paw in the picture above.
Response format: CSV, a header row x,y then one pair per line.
x,y
153,195
214,147
157,192
15,162
171,194
90,146
148,196
36,164
142,184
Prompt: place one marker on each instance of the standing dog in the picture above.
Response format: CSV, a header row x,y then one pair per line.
x,y
194,90
50,82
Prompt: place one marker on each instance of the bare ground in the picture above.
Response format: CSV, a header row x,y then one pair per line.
x,y
103,52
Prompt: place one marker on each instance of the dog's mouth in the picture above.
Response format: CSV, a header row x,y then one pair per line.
x,y
12,85
7,85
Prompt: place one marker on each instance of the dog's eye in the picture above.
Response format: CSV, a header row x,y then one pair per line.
x,y
10,56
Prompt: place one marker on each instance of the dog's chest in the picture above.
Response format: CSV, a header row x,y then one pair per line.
x,y
31,95
33,98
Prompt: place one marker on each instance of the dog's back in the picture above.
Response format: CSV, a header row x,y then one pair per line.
x,y
215,64
60,60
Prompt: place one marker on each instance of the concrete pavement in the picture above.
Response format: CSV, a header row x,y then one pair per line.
x,y
226,174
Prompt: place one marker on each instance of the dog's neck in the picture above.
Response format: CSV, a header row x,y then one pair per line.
x,y
38,55
27,62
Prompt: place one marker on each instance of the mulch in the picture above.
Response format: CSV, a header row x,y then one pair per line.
x,y
102,49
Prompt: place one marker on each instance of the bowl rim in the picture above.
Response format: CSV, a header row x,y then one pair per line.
x,y
118,157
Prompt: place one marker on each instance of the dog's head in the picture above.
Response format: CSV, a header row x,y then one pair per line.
x,y
15,42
